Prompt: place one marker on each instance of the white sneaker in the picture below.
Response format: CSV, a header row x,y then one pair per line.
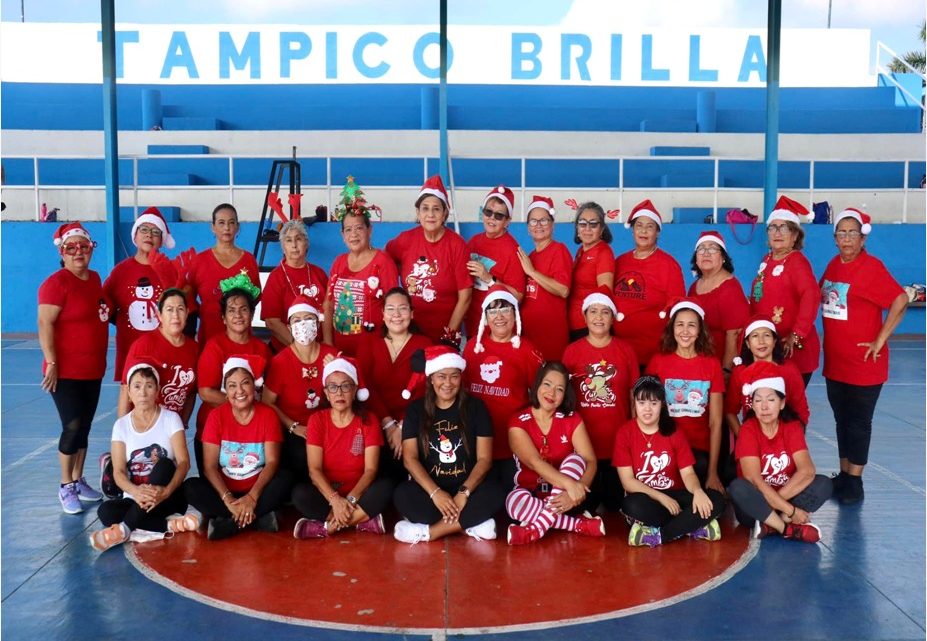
x,y
408,532
485,531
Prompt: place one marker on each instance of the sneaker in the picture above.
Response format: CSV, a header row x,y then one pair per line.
x,y
711,532
852,490
373,526
86,493
267,523
70,502
587,526
221,527
310,529
104,539
839,481
522,534
644,535
408,532
485,531
107,480
806,532
189,522
761,530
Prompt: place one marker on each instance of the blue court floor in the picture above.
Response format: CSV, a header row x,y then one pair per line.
x,y
865,580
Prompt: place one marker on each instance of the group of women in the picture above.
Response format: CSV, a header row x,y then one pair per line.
x,y
586,384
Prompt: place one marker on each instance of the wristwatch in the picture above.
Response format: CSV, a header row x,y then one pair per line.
x,y
293,426
352,500
463,489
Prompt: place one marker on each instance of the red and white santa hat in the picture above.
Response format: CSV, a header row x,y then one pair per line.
x,y
430,360
789,210
434,186
762,374
303,304
680,304
711,236
154,217
864,219
138,363
347,365
752,325
498,292
602,296
504,194
69,230
644,209
252,362
542,202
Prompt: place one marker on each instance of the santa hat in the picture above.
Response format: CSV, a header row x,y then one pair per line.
x,y
303,304
434,186
602,296
498,292
251,362
542,202
680,304
753,324
644,209
348,366
789,210
137,364
710,237
762,374
859,216
154,217
69,230
426,362
504,194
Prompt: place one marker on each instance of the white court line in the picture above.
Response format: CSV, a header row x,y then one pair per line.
x,y
49,444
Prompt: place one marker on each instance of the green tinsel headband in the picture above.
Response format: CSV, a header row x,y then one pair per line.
x,y
240,281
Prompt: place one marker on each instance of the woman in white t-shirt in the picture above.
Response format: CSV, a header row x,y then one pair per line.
x,y
149,463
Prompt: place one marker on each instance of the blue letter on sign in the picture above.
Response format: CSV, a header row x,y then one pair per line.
x,y
370,38
331,54
250,53
567,42
696,74
754,60
122,37
418,55
520,56
179,55
616,56
289,53
647,70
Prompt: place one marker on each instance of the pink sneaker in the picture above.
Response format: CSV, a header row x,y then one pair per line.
x,y
590,526
373,526
309,529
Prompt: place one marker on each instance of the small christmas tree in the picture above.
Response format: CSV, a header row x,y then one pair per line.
x,y
344,314
353,202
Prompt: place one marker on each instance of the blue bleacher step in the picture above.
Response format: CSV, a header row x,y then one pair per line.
x,y
163,150
674,151
697,215
168,179
674,126
685,179
171,214
190,124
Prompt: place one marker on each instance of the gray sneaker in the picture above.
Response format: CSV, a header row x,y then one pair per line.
x,y
70,502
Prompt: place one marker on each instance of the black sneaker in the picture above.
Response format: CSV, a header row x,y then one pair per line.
x,y
852,490
267,523
107,481
221,527
840,483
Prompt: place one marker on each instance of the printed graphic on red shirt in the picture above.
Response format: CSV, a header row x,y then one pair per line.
x,y
240,461
653,469
775,469
531,289
142,312
348,314
313,399
686,398
631,285
490,373
596,385
174,392
142,462
834,299
418,282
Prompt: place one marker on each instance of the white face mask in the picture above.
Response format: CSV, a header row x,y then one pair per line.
x,y
305,331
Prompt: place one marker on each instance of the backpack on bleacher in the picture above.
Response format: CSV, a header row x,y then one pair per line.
x,y
822,213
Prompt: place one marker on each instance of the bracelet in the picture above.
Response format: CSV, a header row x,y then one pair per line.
x,y
391,424
227,493
331,496
433,492
794,507
50,363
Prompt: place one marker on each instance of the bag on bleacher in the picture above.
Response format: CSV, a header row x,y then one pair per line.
x,y
822,213
741,217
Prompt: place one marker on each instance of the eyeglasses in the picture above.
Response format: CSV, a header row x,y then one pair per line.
x,y
344,388
777,229
539,222
355,229
591,224
843,235
500,311
496,215
708,251
400,309
644,226
72,249
150,231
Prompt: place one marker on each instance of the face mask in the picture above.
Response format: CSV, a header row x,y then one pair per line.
x,y
304,332
144,536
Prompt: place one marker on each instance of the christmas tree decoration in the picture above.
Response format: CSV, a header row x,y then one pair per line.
x,y
240,281
353,202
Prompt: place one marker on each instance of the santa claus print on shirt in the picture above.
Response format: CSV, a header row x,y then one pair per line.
x,y
686,398
652,471
241,460
142,313
834,299
490,372
596,387
418,282
142,462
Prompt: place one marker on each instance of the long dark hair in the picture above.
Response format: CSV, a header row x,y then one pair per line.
x,y
726,262
569,395
778,352
462,404
413,328
703,345
786,414
650,388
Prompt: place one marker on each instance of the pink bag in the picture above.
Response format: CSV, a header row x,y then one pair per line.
x,y
741,217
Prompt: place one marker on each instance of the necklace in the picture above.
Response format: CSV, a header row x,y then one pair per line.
x,y
290,283
150,423
653,249
394,351
757,290
647,437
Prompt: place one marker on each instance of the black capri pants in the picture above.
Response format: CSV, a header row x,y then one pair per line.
x,y
308,500
127,511
750,505
637,506
853,407
76,401
203,496
487,499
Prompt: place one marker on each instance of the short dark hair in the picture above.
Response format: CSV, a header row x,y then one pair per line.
x,y
222,206
569,395
650,388
168,293
703,345
726,264
232,293
146,371
600,214
365,219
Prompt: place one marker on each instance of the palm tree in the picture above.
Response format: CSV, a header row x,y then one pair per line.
x,y
914,58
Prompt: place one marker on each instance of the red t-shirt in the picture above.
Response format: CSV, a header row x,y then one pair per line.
x,y
587,267
655,459
134,290
298,386
284,284
726,308
643,287
689,383
81,332
343,447
543,315
209,367
554,446
736,403
853,296
602,378
790,298
433,273
357,298
177,367
500,376
386,378
204,276
242,453
776,454
500,257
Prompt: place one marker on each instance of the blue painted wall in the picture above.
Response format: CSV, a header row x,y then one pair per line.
x,y
29,256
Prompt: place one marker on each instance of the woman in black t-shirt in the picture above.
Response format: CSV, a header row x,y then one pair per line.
x,y
447,449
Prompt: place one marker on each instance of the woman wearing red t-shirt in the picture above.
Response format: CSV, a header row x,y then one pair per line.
x,y
855,289
241,484
294,276
646,279
73,316
720,294
777,488
554,462
343,444
432,261
785,289
594,265
664,498
694,390
544,308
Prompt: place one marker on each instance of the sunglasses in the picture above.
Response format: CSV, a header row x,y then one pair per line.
x,y
496,215
72,249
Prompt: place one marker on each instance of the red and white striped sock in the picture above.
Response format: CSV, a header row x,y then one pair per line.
x,y
530,510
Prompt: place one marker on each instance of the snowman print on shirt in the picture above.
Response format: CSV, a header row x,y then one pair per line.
x,y
142,313
447,451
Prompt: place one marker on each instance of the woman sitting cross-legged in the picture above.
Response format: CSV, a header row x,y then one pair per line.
x,y
777,488
554,461
664,499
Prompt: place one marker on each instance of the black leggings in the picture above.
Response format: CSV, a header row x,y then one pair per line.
x,y
76,401
727,469
638,506
750,505
485,501
310,503
293,456
502,473
606,489
203,496
853,407
127,510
